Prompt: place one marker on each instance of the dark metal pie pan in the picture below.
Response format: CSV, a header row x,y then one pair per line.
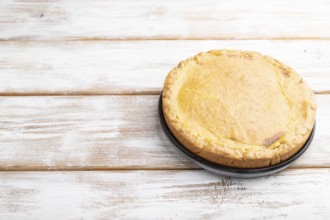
x,y
224,170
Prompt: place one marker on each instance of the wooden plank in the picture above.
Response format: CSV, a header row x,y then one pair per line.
x,y
106,132
149,19
112,67
291,194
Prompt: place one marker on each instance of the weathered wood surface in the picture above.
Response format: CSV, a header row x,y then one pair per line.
x,y
291,194
106,132
125,48
172,19
111,67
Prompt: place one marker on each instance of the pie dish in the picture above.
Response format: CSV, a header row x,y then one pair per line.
x,y
238,108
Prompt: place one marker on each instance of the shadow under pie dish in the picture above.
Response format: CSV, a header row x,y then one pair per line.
x,y
238,109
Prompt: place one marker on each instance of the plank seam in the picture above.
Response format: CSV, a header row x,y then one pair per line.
x,y
119,93
129,169
172,38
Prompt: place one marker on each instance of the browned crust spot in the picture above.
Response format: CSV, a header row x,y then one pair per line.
x,y
272,139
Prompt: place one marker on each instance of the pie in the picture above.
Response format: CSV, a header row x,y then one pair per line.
x,y
238,108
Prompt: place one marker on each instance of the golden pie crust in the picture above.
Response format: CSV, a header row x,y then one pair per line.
x,y
238,108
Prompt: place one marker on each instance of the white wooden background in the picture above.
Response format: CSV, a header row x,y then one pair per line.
x,y
79,133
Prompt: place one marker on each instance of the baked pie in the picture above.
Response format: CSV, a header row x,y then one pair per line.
x,y
238,108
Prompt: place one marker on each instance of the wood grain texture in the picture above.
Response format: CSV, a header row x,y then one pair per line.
x,y
106,132
52,48
163,195
134,67
149,19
